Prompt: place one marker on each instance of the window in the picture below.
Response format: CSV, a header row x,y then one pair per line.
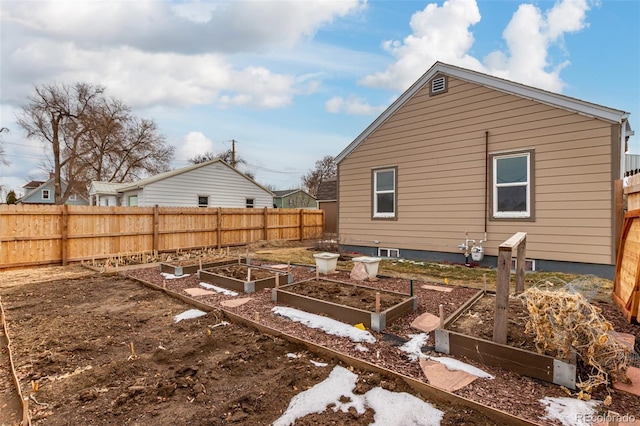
x,y
203,201
384,194
249,203
388,252
46,194
133,200
529,264
512,178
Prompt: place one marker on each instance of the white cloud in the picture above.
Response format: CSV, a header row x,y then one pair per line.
x,y
192,144
192,26
353,106
442,33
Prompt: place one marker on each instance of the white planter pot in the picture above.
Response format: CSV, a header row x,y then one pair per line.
x,y
370,264
326,262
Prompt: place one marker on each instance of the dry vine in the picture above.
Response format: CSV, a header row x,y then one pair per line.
x,y
564,322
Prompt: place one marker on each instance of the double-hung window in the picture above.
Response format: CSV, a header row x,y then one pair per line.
x,y
46,194
203,201
384,193
512,177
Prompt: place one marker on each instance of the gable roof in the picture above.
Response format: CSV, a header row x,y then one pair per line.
x,y
108,188
32,191
146,181
286,192
33,184
328,190
496,83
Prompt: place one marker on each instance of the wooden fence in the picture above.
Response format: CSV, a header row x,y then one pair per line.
x,y
41,235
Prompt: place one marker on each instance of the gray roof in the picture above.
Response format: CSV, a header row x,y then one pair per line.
x,y
328,190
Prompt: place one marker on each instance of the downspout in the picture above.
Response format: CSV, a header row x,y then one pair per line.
x,y
486,181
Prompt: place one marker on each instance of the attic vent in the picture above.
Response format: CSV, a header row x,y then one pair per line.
x,y
438,85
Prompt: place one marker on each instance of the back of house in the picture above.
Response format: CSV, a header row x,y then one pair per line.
x,y
462,153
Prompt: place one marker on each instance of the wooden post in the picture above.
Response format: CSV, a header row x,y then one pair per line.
x,y
520,264
618,218
219,230
484,282
377,302
441,312
156,228
248,274
301,224
317,274
65,235
266,224
501,316
277,279
200,264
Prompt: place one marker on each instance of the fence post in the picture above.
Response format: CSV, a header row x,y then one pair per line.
x,y
218,230
156,229
65,234
301,224
266,223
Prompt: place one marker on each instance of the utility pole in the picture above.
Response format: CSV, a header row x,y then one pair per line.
x,y
233,153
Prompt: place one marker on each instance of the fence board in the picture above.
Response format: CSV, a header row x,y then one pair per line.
x,y
33,234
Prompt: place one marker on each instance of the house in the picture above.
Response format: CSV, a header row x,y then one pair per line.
x,y
43,192
464,152
327,200
210,184
293,199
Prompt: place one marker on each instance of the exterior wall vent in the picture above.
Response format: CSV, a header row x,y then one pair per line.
x,y
529,264
438,85
388,252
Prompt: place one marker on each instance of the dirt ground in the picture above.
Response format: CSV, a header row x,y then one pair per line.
x,y
354,296
105,350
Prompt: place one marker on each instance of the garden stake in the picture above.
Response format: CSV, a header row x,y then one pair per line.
x,y
411,292
377,302
248,274
317,274
200,264
484,281
277,279
441,308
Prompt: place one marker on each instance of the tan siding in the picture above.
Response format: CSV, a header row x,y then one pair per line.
x,y
438,146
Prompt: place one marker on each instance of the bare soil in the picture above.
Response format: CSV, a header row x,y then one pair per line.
x,y
240,272
351,295
105,350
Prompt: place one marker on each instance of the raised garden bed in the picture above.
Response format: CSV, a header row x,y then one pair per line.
x,y
192,266
469,335
351,303
244,278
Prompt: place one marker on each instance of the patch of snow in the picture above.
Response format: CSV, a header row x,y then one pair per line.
x,y
319,364
219,289
291,355
570,411
454,364
391,408
191,313
328,325
361,348
414,346
169,276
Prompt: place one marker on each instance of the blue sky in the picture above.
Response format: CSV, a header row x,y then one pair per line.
x,y
293,81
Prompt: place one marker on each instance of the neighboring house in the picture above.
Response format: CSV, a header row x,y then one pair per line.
x,y
43,192
461,151
293,199
327,200
209,184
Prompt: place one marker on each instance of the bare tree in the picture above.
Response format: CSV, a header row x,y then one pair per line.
x,y
226,156
325,169
3,160
91,137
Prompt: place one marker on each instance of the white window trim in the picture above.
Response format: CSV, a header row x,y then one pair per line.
x,y
203,205
511,214
391,252
48,196
253,203
377,214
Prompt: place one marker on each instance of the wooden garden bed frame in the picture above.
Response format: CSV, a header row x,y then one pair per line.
x,y
377,321
210,276
192,269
